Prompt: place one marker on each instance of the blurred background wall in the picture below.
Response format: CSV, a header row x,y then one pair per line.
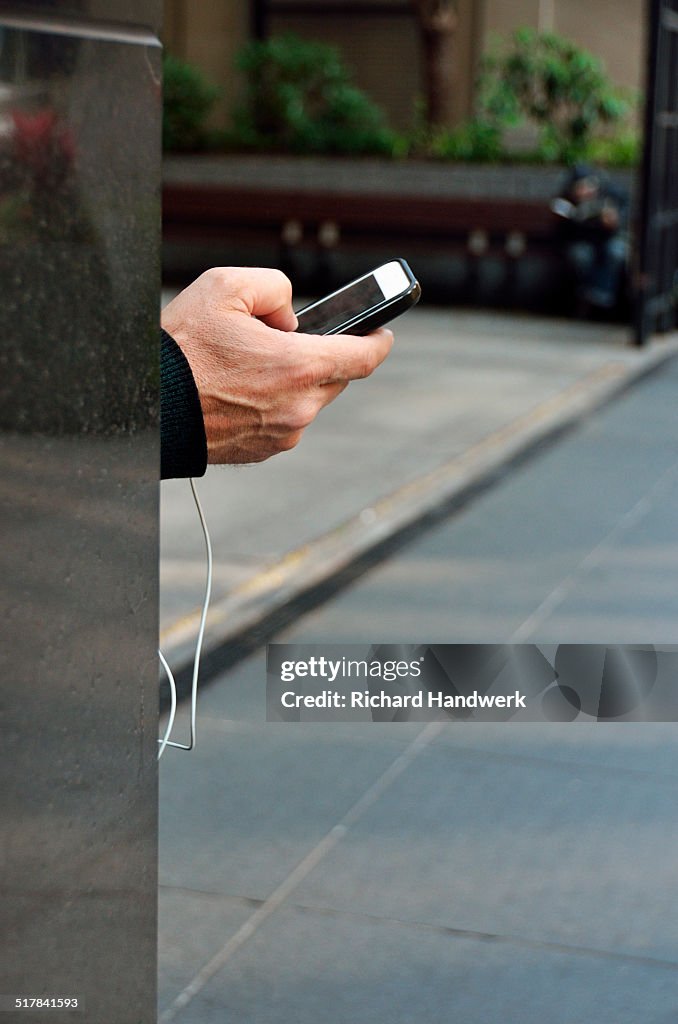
x,y
379,39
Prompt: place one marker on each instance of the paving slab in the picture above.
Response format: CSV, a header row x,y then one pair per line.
x,y
554,853
192,926
646,749
239,812
509,873
306,966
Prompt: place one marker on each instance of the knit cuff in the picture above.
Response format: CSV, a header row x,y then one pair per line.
x,y
183,445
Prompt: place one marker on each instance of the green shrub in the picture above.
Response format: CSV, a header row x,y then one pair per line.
x,y
300,99
622,150
188,99
474,140
548,80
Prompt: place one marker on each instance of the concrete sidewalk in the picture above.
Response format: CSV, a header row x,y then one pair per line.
x,y
454,871
462,394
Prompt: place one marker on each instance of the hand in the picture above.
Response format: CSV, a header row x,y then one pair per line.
x,y
260,385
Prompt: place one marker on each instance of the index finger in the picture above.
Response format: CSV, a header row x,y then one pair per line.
x,y
347,357
266,294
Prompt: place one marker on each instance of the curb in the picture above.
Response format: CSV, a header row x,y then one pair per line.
x,y
250,614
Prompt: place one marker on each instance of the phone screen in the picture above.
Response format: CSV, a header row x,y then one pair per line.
x,y
336,309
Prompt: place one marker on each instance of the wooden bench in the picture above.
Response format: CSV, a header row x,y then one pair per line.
x,y
470,230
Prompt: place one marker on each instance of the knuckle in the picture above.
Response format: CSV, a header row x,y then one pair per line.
x,y
301,416
290,441
364,368
215,273
282,280
302,376
219,277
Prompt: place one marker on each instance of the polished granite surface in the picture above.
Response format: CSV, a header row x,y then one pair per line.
x,y
79,229
138,14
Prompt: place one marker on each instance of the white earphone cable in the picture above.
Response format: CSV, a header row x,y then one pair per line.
x,y
166,741
173,707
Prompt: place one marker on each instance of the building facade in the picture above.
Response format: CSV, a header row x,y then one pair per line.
x,y
379,39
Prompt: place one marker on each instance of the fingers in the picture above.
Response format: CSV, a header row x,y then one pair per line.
x,y
344,357
283,319
268,295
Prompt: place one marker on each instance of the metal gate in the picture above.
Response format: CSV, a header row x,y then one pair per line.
x,y
656,307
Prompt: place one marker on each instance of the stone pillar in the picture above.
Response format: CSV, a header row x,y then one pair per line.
x,y
80,103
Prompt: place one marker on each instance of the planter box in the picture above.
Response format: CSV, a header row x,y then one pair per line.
x,y
373,176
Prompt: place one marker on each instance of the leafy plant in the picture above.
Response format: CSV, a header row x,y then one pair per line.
x,y
475,140
550,81
188,98
619,150
300,98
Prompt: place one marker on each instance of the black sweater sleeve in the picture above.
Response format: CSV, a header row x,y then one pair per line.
x,y
183,446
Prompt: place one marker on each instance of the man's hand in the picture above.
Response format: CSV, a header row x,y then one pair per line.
x,y
260,385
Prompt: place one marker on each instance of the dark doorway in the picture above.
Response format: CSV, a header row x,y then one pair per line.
x,y
657,253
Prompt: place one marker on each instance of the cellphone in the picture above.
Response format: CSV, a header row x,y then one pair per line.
x,y
364,304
